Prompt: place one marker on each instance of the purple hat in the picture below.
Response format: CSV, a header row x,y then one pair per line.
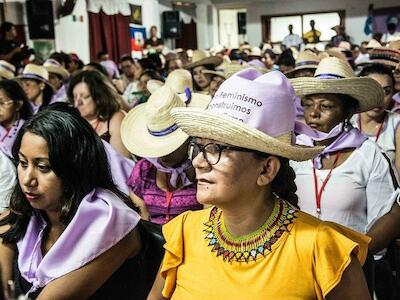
x,y
249,110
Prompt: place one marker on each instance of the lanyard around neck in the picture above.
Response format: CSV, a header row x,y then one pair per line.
x,y
318,193
378,134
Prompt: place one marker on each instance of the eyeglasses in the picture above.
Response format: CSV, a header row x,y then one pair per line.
x,y
6,103
211,151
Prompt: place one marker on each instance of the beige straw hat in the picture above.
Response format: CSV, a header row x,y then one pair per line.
x,y
386,56
244,115
180,81
148,130
7,70
334,76
53,66
219,73
36,72
305,60
201,58
373,44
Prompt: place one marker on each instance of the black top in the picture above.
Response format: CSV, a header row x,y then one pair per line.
x,y
6,46
154,43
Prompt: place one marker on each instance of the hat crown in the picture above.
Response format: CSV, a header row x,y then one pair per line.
x,y
158,108
334,67
50,62
264,102
307,56
39,72
179,80
199,55
7,70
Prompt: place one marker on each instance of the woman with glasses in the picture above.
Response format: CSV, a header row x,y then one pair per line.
x,y
162,183
379,124
14,110
253,242
97,103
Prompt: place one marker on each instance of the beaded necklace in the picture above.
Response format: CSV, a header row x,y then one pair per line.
x,y
253,245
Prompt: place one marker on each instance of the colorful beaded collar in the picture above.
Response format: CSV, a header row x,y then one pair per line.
x,y
251,246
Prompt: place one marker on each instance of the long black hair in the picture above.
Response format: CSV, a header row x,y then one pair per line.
x,y
76,156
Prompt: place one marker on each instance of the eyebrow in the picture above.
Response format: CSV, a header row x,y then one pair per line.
x,y
43,159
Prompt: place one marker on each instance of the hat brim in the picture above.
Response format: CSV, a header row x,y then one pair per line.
x,y
365,90
6,75
35,78
59,71
212,60
137,139
219,74
305,67
385,62
201,123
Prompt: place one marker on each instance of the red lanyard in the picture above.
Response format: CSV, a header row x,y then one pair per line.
x,y
168,198
318,194
378,134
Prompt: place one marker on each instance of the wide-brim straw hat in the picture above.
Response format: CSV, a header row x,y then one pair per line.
x,y
215,73
7,70
373,44
201,58
264,122
305,60
53,66
180,81
386,56
148,130
334,76
256,52
36,72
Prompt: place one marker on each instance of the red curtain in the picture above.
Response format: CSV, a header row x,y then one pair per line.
x,y
109,33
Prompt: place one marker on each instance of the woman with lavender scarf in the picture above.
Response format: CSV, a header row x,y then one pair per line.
x,y
162,183
14,110
69,231
352,182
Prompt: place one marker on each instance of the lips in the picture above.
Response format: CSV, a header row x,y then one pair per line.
x,y
203,181
31,196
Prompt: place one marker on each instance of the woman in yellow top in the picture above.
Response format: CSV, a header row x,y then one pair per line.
x,y
253,242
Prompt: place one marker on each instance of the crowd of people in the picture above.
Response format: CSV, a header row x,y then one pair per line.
x,y
259,165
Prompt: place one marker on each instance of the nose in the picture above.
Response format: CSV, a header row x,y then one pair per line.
x,y
27,178
199,161
315,111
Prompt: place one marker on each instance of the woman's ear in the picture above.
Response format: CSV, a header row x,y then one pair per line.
x,y
270,167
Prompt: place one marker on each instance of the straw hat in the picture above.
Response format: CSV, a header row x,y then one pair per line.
x,y
36,72
53,66
219,73
148,130
255,51
394,45
386,56
7,70
243,114
180,82
305,60
373,44
334,76
201,58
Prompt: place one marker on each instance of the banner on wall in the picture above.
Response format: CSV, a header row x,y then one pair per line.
x,y
138,37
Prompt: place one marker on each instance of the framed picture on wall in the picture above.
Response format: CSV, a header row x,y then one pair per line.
x,y
136,14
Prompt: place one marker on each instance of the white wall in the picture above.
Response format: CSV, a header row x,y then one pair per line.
x,y
228,27
73,36
356,12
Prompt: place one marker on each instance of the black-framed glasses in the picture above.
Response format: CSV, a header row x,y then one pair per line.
x,y
211,151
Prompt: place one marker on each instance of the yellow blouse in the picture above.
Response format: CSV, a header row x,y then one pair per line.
x,y
305,263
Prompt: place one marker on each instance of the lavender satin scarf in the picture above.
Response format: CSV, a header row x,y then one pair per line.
x,y
101,221
7,138
176,172
351,138
396,97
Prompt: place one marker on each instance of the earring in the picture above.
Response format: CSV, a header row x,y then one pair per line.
x,y
346,125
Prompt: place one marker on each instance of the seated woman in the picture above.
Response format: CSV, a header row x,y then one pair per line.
x,y
97,103
14,110
162,184
244,245
35,82
7,181
71,229
201,62
352,182
379,124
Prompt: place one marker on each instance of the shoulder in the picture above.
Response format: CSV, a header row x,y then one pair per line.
x,y
116,120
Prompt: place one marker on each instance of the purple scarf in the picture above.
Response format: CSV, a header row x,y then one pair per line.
x,y
176,172
100,222
7,138
396,97
351,138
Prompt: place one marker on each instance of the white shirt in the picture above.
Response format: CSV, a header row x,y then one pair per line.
x,y
387,138
360,191
387,37
8,180
129,95
292,40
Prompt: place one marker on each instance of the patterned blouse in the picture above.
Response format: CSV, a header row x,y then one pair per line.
x,y
142,183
